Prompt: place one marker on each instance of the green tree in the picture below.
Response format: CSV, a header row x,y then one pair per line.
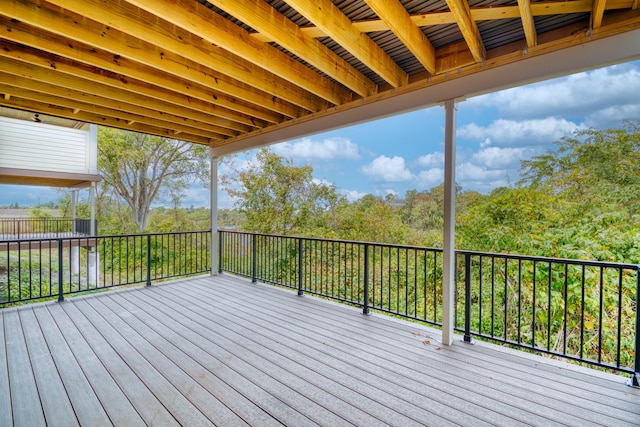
x,y
274,196
139,167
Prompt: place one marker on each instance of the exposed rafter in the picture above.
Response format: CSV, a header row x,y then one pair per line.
x,y
167,77
527,22
200,21
326,16
396,17
597,13
223,69
462,15
259,15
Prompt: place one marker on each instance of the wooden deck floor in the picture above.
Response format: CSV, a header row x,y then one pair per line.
x,y
222,351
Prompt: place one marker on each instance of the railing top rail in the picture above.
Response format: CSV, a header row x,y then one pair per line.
x,y
591,263
106,236
321,239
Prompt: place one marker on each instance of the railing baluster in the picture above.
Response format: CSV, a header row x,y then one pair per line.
x,y
253,258
300,266
60,272
365,309
467,297
148,260
635,376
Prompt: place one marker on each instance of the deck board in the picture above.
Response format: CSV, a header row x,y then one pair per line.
x,y
55,401
25,400
397,367
223,351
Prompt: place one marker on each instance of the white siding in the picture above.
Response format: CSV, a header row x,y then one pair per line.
x,y
38,146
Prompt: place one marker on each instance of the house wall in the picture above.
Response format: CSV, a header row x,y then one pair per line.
x,y
43,147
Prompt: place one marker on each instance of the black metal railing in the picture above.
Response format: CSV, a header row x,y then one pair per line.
x,y
580,310
45,228
52,268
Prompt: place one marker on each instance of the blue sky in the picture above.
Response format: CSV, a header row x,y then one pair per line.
x,y
494,133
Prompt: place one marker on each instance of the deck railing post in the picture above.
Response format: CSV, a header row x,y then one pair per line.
x,y
467,298
300,266
148,260
254,263
365,309
220,234
635,377
60,272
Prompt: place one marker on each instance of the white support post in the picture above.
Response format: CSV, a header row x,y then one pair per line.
x,y
74,201
92,198
214,213
449,255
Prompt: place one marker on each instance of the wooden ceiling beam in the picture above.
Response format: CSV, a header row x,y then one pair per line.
x,y
223,69
72,32
128,87
91,99
478,14
335,24
67,113
462,14
203,22
47,93
597,13
260,16
73,82
527,22
396,17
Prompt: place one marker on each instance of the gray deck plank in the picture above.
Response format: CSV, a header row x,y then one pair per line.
x,y
544,398
395,377
332,396
87,406
56,404
595,389
72,350
25,401
184,411
300,409
593,402
148,325
206,403
347,370
146,404
6,416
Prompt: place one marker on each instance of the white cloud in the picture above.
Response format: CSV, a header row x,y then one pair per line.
x,y
430,178
432,160
581,94
387,169
501,158
511,133
326,149
352,195
324,182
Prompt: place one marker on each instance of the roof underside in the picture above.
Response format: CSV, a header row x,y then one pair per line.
x,y
239,73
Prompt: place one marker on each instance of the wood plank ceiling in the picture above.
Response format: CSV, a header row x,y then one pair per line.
x,y
219,71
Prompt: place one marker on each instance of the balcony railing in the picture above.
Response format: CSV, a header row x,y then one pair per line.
x,y
46,228
52,268
580,310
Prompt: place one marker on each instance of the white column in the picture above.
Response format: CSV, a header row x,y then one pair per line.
x,y
92,225
75,250
74,201
214,213
449,256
